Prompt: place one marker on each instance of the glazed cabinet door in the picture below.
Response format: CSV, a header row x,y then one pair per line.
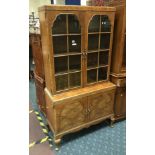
x,y
67,46
71,114
100,105
99,34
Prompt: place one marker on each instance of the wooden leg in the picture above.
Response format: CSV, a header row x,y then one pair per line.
x,y
57,142
112,122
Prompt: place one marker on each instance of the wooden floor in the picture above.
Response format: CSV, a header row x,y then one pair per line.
x,y
35,133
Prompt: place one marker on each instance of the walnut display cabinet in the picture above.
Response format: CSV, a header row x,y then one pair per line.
x,y
118,65
76,46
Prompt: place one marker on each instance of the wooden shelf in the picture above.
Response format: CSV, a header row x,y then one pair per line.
x,y
91,68
99,33
74,53
93,51
60,55
68,72
61,73
98,50
74,71
70,34
100,66
104,49
78,34
67,54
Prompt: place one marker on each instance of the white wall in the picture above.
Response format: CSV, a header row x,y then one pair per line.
x,y
59,2
34,4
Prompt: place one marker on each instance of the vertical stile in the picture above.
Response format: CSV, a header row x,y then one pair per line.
x,y
68,49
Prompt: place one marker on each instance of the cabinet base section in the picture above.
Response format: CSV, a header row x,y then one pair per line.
x,y
79,109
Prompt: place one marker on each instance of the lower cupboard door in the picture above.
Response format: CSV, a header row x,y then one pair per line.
x,y
100,105
70,115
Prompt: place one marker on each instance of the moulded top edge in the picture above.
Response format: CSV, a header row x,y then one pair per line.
x,y
81,92
75,8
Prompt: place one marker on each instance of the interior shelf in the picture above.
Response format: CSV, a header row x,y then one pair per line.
x,y
97,50
100,66
67,54
69,34
61,73
68,72
98,32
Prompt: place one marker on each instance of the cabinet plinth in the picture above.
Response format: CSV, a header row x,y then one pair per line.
x,y
72,111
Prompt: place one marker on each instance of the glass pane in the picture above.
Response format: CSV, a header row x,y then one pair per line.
x,y
73,24
61,64
102,73
61,82
75,62
91,75
105,41
93,41
57,41
75,43
103,58
105,24
75,79
59,26
92,59
94,24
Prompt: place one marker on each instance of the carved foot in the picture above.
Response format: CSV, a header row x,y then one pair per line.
x,y
57,143
112,122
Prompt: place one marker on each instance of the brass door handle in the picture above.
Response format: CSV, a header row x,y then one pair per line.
x,y
84,54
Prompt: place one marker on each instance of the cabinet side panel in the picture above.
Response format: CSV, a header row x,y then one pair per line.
x,y
45,49
118,42
40,95
37,54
